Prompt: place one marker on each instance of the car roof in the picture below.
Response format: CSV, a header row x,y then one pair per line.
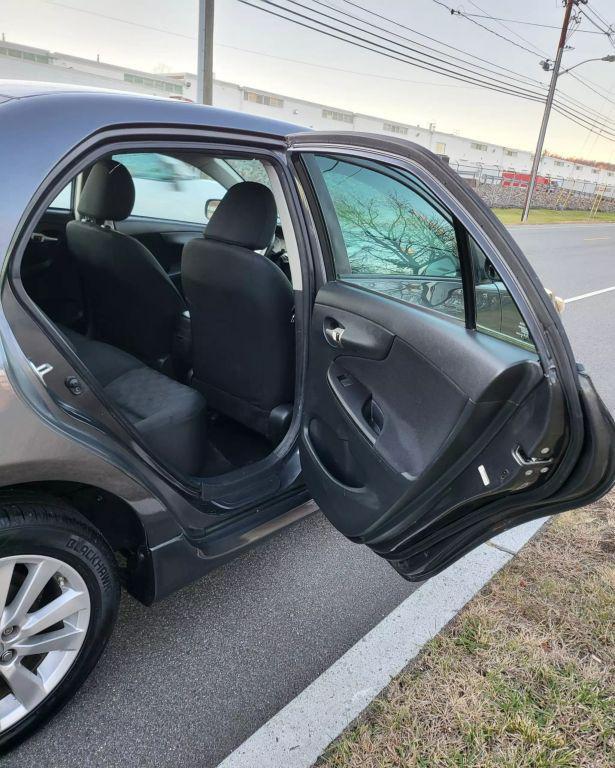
x,y
149,108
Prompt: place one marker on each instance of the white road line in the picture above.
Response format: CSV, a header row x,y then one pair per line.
x,y
589,295
566,224
301,731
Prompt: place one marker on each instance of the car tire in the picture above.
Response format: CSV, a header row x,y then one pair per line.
x,y
38,535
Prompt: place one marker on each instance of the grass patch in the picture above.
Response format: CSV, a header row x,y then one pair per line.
x,y
524,677
545,216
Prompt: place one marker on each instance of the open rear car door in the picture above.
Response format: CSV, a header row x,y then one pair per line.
x,y
443,403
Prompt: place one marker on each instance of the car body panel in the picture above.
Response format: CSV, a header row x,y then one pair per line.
x,y
59,119
51,446
186,534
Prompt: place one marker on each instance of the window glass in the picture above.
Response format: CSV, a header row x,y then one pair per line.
x,y
168,188
496,311
395,128
263,98
342,117
249,170
63,200
388,233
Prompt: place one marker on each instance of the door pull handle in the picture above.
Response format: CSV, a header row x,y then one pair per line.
x,y
334,335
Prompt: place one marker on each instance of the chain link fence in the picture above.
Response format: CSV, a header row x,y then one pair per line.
x,y
506,188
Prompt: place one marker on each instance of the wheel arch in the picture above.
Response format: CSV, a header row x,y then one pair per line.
x,y
113,517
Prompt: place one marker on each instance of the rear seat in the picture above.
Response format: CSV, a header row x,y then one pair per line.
x,y
170,416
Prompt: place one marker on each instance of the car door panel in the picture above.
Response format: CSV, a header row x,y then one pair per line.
x,y
461,425
418,555
424,399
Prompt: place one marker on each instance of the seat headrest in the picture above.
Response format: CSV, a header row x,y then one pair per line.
x,y
108,193
246,216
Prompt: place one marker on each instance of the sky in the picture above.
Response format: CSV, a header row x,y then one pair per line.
x,y
253,48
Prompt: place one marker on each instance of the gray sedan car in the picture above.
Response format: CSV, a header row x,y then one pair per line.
x,y
211,323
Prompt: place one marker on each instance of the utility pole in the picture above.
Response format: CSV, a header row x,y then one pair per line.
x,y
547,112
204,83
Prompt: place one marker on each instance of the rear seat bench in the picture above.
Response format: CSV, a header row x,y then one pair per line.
x,y
170,416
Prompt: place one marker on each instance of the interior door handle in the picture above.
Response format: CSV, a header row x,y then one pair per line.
x,y
334,335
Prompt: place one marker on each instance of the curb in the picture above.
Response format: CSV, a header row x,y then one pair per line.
x,y
297,735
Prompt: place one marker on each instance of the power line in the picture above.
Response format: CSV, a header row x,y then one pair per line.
x,y
575,24
596,137
533,81
590,9
470,79
597,14
519,76
455,12
569,111
397,23
600,29
340,69
527,23
583,81
116,18
396,34
523,79
508,29
374,47
584,122
586,83
343,34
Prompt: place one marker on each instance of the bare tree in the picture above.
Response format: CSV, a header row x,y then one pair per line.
x,y
391,235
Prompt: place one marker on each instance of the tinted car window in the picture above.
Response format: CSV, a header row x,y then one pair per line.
x,y
249,170
393,236
496,311
169,189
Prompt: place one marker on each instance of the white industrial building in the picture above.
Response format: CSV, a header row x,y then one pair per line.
x,y
466,155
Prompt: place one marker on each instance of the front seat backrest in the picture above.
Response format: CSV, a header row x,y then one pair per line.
x,y
241,308
131,301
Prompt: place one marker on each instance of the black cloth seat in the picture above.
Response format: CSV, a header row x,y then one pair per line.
x,y
131,301
241,309
170,416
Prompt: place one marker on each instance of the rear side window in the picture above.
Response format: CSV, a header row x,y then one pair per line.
x,y
496,311
387,232
169,189
63,201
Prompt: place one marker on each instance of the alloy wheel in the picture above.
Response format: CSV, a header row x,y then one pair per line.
x,y
44,616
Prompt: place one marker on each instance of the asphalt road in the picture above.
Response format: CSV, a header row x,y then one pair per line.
x,y
185,682
572,260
